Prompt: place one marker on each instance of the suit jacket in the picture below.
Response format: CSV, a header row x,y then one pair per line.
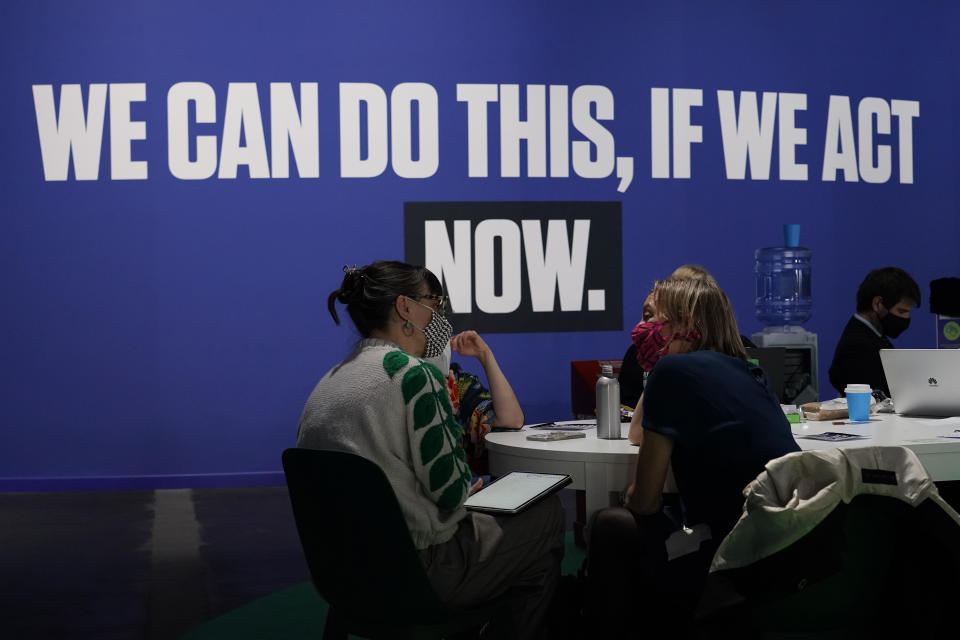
x,y
857,358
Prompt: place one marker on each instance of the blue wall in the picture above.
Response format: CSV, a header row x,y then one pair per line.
x,y
165,331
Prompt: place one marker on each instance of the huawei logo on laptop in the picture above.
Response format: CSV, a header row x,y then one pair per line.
x,y
933,382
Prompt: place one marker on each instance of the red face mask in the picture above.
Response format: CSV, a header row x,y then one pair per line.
x,y
651,345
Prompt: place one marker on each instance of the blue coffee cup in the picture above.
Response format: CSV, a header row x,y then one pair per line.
x,y
858,402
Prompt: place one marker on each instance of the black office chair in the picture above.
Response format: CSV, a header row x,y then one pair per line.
x,y
874,568
360,554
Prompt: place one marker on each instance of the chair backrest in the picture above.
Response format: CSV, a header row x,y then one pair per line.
x,y
874,555
867,558
356,542
583,385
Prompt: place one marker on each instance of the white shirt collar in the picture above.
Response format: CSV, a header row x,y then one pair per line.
x,y
867,322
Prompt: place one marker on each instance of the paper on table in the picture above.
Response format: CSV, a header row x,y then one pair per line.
x,y
833,436
564,426
940,423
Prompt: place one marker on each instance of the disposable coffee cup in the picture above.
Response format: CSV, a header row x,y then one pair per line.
x,y
858,401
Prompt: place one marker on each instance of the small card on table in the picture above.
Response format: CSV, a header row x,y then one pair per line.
x,y
833,436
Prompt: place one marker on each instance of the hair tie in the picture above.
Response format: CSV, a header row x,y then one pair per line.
x,y
352,283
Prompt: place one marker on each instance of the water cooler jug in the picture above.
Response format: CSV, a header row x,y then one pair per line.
x,y
784,302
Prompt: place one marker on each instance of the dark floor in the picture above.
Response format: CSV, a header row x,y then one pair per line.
x,y
129,565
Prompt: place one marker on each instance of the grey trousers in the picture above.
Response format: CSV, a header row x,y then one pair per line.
x,y
490,554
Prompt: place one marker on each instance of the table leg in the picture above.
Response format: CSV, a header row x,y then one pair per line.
x,y
596,492
580,520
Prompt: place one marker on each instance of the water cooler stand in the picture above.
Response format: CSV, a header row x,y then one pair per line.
x,y
800,367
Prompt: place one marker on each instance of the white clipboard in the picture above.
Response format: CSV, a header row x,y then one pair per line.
x,y
516,491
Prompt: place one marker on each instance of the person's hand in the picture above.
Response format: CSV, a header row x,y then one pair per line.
x,y
469,343
627,494
475,486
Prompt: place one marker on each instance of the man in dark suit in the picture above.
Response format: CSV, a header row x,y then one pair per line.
x,y
884,301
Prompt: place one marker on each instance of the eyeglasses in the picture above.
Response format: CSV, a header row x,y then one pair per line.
x,y
441,303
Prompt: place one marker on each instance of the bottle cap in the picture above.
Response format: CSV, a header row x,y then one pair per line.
x,y
791,235
606,370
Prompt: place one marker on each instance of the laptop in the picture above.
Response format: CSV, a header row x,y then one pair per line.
x,y
923,382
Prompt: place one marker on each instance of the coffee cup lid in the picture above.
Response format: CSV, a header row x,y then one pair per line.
x,y
858,388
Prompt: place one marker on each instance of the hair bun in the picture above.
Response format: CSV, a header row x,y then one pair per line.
x,y
352,284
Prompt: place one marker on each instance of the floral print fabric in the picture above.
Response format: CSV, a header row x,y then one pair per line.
x,y
473,410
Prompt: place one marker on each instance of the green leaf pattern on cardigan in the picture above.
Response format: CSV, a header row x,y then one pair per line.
x,y
413,382
394,361
435,434
424,410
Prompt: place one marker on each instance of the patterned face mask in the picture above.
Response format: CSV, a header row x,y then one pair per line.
x,y
651,345
437,332
441,361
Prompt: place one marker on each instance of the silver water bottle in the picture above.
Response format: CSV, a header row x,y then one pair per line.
x,y
608,405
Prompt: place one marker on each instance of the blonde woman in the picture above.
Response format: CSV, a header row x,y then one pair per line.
x,y
710,414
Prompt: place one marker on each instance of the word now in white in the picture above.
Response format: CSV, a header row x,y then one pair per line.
x,y
466,264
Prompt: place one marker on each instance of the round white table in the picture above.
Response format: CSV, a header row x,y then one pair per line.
x,y
604,467
597,467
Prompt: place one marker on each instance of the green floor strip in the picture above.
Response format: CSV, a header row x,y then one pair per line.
x,y
299,612
294,612
573,556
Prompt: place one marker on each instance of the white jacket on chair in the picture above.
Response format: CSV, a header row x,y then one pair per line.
x,y
797,491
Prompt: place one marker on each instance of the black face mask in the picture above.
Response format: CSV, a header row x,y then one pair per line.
x,y
892,326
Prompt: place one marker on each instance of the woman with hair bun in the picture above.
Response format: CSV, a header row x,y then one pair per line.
x,y
386,402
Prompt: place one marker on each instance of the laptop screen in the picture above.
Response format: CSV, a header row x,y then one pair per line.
x,y
923,382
